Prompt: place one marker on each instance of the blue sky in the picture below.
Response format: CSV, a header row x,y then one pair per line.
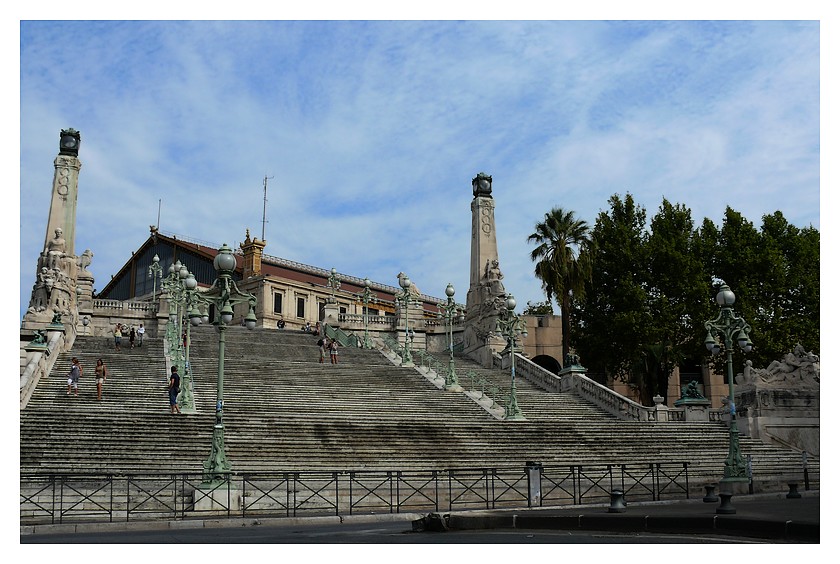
x,y
373,130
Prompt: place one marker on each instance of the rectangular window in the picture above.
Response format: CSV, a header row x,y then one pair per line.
x,y
301,307
278,302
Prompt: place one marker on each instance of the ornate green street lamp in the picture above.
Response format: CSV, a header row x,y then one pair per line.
x,y
333,282
223,294
511,326
368,297
155,272
186,401
450,312
174,290
404,299
729,328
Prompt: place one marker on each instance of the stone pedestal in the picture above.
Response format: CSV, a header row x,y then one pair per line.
x,y
219,499
331,314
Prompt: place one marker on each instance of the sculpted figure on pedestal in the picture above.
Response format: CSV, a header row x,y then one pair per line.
x,y
796,369
84,260
41,293
492,290
412,287
55,250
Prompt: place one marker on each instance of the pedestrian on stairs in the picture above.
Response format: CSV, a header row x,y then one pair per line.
x,y
334,352
322,350
174,388
101,375
73,376
140,332
131,336
117,336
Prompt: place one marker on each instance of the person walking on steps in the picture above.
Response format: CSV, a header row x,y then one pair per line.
x,y
117,336
140,332
73,376
101,375
322,350
174,388
334,352
131,336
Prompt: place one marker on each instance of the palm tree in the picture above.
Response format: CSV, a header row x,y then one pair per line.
x,y
561,265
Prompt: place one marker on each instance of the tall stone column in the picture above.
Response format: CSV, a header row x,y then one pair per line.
x,y
65,190
486,296
57,274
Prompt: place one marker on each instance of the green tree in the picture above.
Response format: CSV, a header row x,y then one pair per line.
x,y
612,311
677,290
561,261
539,308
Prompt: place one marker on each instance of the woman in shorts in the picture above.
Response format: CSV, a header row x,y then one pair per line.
x,y
101,375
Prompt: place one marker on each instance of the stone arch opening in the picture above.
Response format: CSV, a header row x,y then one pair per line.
x,y
548,362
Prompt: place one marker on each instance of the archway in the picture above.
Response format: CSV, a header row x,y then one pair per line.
x,y
547,362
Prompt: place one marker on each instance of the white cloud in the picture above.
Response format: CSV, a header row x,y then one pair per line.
x,y
372,132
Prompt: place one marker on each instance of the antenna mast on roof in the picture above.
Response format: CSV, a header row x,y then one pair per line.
x,y
265,200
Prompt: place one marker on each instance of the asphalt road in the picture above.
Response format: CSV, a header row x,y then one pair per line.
x,y
367,533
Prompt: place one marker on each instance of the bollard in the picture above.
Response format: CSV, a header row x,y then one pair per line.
x,y
533,471
793,493
617,504
726,507
710,496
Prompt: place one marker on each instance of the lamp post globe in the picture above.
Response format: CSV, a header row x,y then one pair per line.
x,y
225,262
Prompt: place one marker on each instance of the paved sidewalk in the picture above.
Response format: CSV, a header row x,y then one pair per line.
x,y
768,516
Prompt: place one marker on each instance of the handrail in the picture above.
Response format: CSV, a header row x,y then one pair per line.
x,y
337,334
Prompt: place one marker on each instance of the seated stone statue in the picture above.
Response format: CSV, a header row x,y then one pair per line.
x,y
55,250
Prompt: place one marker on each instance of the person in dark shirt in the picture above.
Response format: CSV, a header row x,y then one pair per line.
x,y
174,388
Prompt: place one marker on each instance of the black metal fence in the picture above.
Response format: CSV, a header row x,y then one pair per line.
x,y
108,498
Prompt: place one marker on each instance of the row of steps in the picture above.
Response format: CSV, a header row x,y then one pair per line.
x,y
286,411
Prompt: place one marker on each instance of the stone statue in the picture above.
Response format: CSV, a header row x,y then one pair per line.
x,y
492,291
39,338
42,290
493,278
796,369
85,259
691,391
413,291
55,250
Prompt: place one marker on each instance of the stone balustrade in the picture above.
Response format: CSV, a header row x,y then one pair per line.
x,y
605,398
120,305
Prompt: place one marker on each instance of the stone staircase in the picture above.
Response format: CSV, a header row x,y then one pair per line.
x,y
285,411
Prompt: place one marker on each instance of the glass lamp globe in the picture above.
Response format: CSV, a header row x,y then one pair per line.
x,y
224,261
725,297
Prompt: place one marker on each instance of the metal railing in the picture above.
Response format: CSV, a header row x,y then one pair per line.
x,y
343,338
108,498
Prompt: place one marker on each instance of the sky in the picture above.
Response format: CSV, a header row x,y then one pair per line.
x,y
370,133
